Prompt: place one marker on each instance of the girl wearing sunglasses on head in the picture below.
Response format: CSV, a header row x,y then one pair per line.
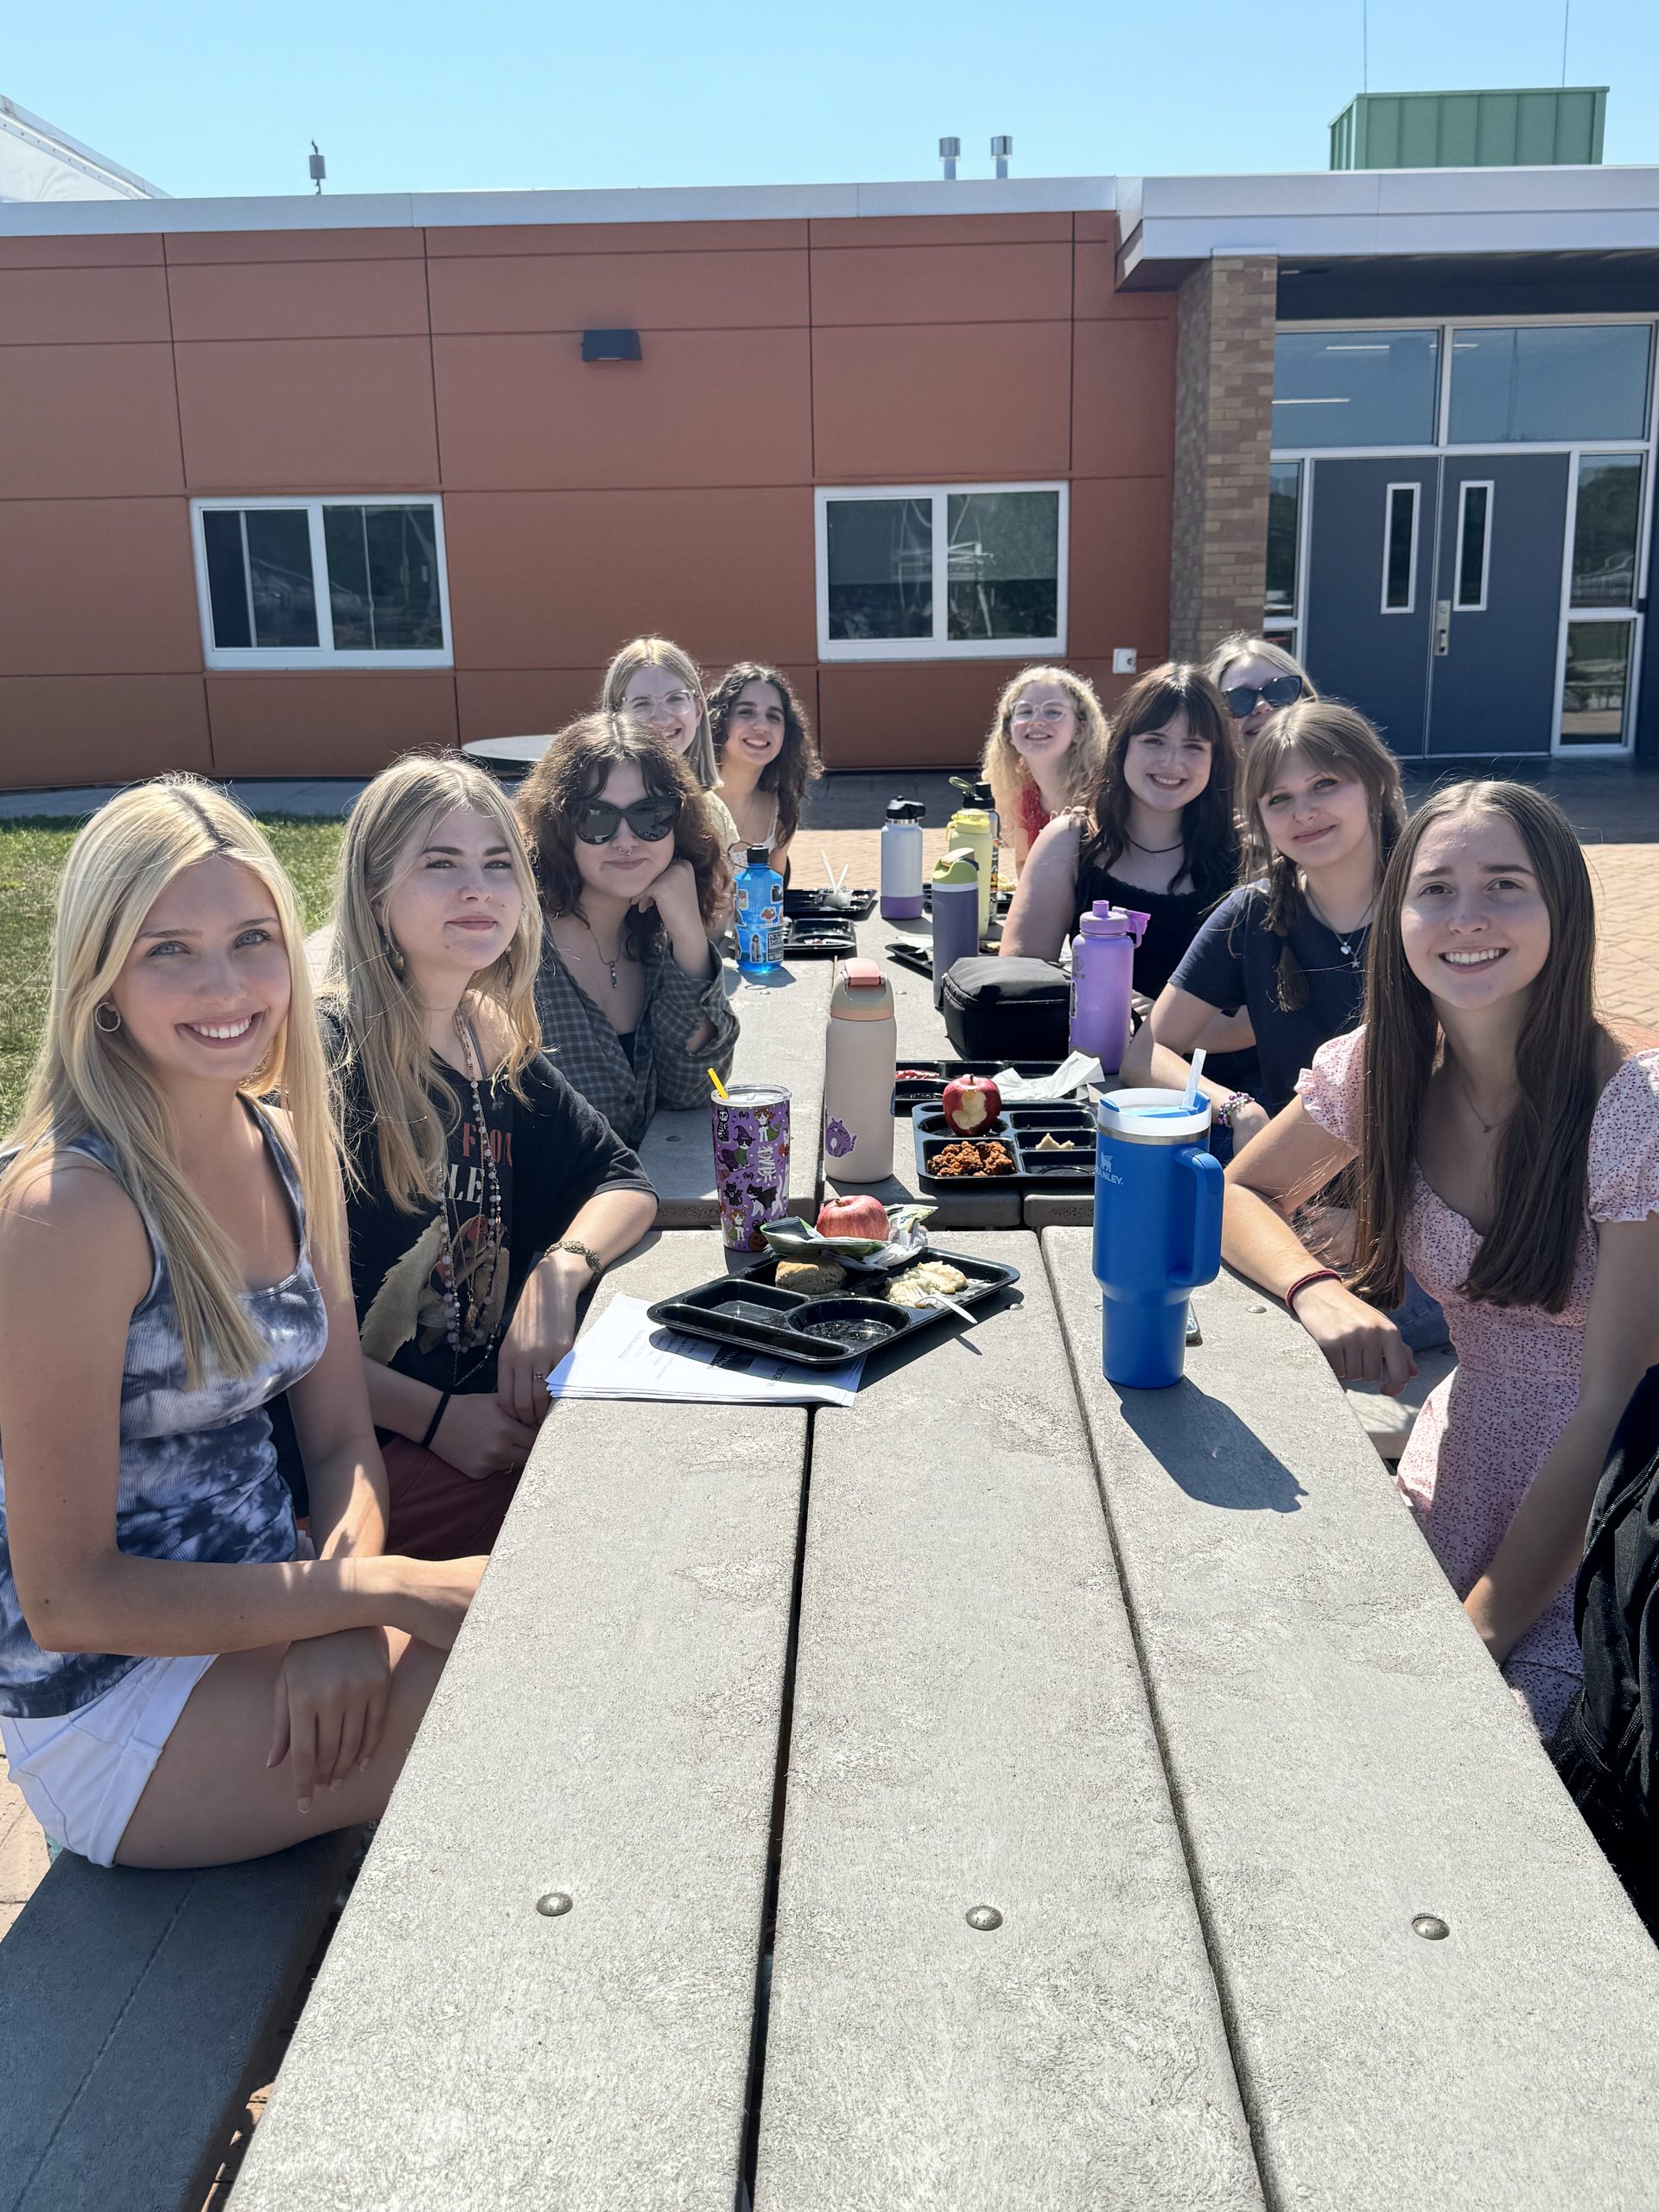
x,y
1046,739
1256,677
631,879
483,1195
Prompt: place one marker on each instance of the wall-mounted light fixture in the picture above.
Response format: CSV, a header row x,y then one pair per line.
x,y
610,346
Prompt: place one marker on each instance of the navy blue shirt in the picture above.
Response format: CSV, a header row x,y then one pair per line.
x,y
1234,960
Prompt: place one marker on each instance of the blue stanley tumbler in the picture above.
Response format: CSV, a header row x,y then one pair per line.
x,y
1156,1229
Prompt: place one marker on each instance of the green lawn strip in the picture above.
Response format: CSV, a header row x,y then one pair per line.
x,y
31,855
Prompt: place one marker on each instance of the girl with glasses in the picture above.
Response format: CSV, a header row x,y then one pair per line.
x,y
1505,1146
766,753
1044,751
484,1195
1256,677
656,683
185,1679
631,879
1154,833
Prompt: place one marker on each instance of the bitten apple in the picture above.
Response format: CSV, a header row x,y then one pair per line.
x,y
860,1215
972,1102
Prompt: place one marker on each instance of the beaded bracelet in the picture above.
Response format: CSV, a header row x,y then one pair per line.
x,y
432,1426
1302,1282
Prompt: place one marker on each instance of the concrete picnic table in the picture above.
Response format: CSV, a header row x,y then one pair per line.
x,y
1147,1827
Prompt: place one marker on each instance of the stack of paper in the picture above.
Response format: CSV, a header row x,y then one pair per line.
x,y
625,1354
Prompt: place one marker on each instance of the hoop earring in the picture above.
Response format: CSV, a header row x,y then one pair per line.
x,y
107,1028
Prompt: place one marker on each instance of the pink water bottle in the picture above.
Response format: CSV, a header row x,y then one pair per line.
x,y
1102,980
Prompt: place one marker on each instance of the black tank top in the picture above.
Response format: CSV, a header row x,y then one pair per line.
x,y
1173,922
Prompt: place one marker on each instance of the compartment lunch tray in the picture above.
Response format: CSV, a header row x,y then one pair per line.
x,y
826,905
921,1082
1021,1128
738,1311
829,939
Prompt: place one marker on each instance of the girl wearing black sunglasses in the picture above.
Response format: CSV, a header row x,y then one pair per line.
x,y
632,883
1256,677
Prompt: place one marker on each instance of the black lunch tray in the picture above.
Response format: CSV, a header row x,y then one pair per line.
x,y
830,939
1021,1128
927,1089
827,905
698,1312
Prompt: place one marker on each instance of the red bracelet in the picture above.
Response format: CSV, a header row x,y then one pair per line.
x,y
1317,1275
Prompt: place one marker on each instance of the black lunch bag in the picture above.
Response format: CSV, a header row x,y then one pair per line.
x,y
1606,1745
1005,1010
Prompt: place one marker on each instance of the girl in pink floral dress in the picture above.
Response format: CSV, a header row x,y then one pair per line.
x,y
1507,1145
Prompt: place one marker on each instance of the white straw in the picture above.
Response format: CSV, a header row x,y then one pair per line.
x,y
842,878
1192,1098
827,870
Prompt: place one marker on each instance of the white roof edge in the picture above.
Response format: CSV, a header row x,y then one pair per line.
x,y
21,123
648,204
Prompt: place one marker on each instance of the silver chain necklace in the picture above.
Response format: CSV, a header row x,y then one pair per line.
x,y
598,948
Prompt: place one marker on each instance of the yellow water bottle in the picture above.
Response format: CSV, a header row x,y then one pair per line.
x,y
970,826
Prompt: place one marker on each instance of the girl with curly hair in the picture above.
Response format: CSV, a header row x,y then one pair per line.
x,y
1046,741
765,755
632,883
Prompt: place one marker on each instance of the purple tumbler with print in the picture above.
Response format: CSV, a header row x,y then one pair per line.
x,y
750,1129
1102,982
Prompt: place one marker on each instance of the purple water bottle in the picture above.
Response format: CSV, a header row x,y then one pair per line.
x,y
1102,979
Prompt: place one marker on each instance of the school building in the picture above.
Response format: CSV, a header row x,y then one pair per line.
x,y
290,485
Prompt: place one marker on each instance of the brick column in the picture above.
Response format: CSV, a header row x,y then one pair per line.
x,y
1224,436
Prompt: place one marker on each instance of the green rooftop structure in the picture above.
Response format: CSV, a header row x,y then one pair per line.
x,y
1533,129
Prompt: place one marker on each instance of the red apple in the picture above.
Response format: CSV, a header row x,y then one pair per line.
x,y
972,1102
861,1215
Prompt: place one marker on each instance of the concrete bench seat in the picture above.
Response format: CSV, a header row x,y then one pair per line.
x,y
1347,1761
137,2012
970,1729
606,1731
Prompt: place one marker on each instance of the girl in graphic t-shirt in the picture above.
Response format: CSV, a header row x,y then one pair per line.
x,y
484,1196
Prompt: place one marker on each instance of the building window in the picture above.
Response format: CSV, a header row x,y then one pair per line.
x,y
959,572
1400,550
1607,526
1355,388
1596,688
322,583
1552,384
1474,548
1284,538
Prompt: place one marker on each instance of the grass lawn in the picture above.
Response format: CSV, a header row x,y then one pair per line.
x,y
32,853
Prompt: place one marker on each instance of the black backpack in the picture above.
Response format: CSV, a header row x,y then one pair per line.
x,y
1607,1748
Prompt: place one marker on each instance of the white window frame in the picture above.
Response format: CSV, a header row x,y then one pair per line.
x,y
324,654
1469,484
938,646
1416,491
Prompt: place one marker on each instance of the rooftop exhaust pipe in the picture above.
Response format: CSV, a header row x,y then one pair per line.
x,y
1001,149
949,152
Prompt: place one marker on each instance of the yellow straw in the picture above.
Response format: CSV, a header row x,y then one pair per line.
x,y
720,1088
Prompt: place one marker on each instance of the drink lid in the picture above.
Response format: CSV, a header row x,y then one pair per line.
x,y
758,855
862,975
905,810
968,821
1108,920
861,992
1152,1116
958,866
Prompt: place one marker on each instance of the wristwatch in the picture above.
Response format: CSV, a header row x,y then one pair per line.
x,y
586,1251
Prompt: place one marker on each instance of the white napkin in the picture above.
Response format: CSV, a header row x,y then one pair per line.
x,y
1047,1089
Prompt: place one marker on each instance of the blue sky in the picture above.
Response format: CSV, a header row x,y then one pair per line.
x,y
225,100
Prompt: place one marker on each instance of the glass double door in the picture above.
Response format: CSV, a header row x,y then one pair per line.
x,y
1435,586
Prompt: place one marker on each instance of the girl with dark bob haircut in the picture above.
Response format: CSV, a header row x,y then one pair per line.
x,y
1506,1150
632,882
1154,831
765,753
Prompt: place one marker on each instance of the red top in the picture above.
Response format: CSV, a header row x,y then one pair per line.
x,y
1034,815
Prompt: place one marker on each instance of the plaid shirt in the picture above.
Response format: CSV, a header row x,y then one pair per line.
x,y
588,1053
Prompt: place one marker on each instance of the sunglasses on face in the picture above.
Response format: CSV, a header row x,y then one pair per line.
x,y
596,820
1242,700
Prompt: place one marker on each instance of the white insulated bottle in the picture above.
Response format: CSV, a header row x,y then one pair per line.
x,y
860,1057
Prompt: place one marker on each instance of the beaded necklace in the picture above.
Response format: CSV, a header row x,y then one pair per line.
x,y
467,1307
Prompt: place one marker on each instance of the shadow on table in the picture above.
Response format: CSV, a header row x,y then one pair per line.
x,y
1202,1445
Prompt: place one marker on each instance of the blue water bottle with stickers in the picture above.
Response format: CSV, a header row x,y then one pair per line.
x,y
1158,1194
759,918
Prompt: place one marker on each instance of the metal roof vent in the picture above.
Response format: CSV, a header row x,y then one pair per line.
x,y
1001,149
950,153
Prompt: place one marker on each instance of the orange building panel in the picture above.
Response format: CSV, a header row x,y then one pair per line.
x,y
1120,567
611,291
391,243
309,415
703,407
1123,398
561,579
348,723
101,729
299,299
83,307
907,714
1095,263
1095,223
939,230
445,239
942,284
86,422
106,249
523,702
981,401
97,585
